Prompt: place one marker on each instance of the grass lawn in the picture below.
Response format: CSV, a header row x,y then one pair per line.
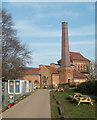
x,y
71,109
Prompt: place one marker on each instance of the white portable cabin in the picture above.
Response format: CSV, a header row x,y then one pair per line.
x,y
27,87
18,86
31,87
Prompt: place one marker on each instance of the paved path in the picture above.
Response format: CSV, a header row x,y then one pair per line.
x,y
36,105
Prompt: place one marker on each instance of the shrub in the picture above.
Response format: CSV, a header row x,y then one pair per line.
x,y
89,87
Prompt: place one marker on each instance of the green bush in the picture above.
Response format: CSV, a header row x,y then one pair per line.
x,y
89,87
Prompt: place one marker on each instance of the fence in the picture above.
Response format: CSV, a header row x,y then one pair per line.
x,y
7,90
0,94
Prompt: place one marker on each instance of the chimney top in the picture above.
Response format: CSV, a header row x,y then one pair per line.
x,y
52,65
64,22
40,66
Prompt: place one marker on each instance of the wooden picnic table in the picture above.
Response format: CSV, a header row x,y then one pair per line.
x,y
75,95
60,89
78,97
84,98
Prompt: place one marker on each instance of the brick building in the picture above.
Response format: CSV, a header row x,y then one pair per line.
x,y
72,68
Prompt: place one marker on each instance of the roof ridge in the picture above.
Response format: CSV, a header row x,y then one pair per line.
x,y
75,52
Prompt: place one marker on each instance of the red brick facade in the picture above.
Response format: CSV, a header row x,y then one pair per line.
x,y
74,68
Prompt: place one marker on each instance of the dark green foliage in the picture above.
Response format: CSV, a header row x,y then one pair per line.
x,y
89,87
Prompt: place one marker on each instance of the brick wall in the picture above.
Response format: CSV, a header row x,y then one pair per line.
x,y
33,78
55,78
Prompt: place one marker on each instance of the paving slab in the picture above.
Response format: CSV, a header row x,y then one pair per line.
x,y
37,105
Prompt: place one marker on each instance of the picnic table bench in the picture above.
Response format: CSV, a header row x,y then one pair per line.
x,y
60,89
85,98
78,97
75,95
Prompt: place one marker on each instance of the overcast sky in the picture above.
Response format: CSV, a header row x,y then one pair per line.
x,y
39,25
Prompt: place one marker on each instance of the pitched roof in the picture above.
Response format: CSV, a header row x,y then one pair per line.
x,y
52,69
76,56
32,71
79,75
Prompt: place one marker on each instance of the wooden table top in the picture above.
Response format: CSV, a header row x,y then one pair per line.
x,y
84,96
76,93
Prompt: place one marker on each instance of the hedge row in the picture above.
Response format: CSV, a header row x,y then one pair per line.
x,y
89,87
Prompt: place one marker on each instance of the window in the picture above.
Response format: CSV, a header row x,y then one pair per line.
x,y
81,67
78,67
11,86
36,82
84,68
87,68
68,80
17,86
44,82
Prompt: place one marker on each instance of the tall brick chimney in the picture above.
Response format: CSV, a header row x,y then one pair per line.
x,y
65,71
65,60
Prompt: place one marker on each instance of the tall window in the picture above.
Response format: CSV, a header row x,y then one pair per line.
x,y
78,67
87,68
84,68
44,82
81,67
69,81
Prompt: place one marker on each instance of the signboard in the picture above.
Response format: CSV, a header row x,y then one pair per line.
x,y
17,86
11,86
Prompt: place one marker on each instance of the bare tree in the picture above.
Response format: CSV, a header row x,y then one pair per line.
x,y
96,67
0,44
92,70
14,54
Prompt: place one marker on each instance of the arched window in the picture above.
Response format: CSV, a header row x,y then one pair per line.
x,y
44,82
44,79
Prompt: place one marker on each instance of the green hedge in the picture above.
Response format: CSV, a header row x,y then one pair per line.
x,y
89,87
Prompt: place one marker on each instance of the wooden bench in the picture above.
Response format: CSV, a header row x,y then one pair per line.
x,y
60,89
75,95
61,111
58,102
54,97
84,98
78,97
